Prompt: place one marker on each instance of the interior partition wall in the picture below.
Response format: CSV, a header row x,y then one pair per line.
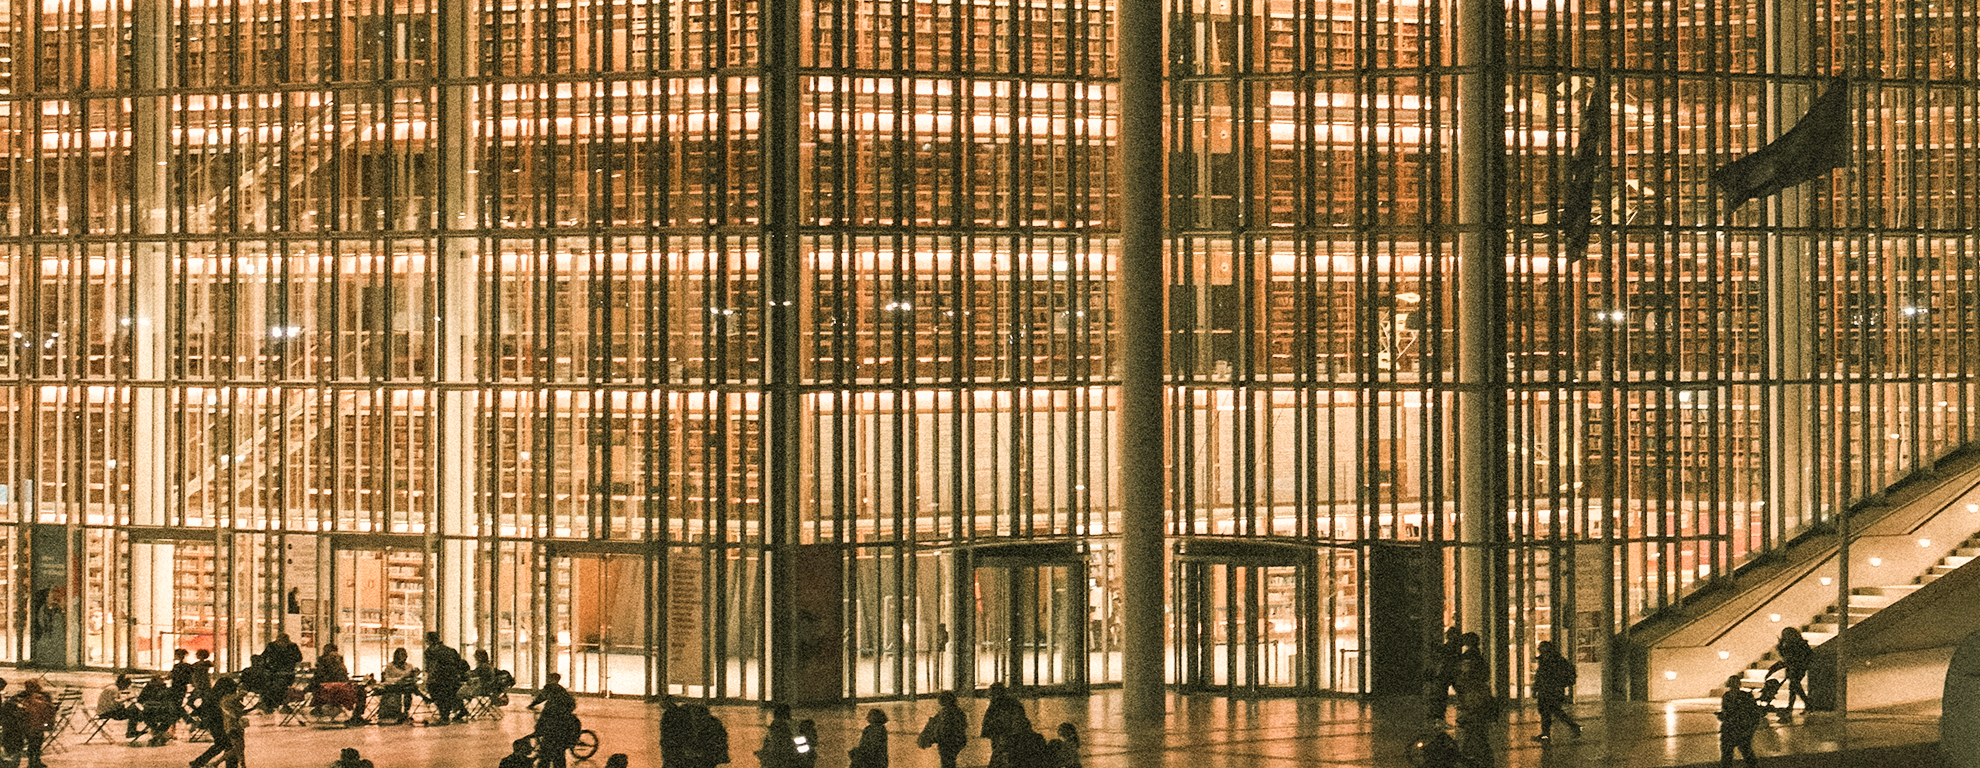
x,y
760,334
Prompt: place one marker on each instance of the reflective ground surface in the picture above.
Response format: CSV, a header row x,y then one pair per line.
x,y
1202,732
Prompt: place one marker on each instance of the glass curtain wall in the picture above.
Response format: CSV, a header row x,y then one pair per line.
x,y
421,315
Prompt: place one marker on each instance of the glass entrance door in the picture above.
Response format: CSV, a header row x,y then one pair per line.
x,y
1244,625
601,610
173,604
1030,624
380,604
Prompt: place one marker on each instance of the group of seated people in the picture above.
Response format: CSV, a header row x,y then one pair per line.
x,y
329,688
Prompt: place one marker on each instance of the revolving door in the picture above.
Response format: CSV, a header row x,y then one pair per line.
x,y
1243,618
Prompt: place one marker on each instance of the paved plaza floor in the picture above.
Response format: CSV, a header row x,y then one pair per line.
x,y
1201,732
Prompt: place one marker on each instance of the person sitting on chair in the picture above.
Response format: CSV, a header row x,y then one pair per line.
x,y
118,702
397,683
161,708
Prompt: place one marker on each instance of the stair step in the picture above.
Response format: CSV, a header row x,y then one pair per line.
x,y
1967,552
1892,591
1859,602
1928,578
1823,629
1955,561
1943,569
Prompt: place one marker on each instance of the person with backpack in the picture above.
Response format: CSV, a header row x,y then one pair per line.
x,y
708,739
1739,717
1003,719
807,743
1795,653
1553,683
872,749
779,748
676,733
947,730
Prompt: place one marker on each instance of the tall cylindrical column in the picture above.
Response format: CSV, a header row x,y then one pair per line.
x,y
1143,485
1481,328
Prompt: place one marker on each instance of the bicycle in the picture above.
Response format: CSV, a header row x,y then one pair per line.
x,y
582,749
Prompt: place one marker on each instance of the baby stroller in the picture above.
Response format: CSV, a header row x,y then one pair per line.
x,y
1770,687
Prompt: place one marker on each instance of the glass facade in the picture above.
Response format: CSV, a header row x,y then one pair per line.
x,y
750,349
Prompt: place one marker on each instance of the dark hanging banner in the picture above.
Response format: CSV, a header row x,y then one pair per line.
x,y
1813,147
49,597
1582,169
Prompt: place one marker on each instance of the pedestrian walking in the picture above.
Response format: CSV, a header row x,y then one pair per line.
x,y
1739,717
1003,718
1553,683
779,748
206,710
947,730
1443,674
1795,653
806,737
233,718
37,716
1477,703
872,749
708,740
676,733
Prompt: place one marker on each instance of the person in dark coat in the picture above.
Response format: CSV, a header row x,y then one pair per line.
x,y
708,740
949,729
1003,718
872,749
519,756
1739,717
806,733
161,707
779,748
1444,674
676,733
206,709
1553,682
1795,653
445,671
278,659
182,673
556,730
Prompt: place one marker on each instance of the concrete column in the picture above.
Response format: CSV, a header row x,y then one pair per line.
x,y
456,330
1481,423
1143,484
150,272
780,264
1791,426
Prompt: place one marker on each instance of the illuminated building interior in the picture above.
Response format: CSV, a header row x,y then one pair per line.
x,y
510,319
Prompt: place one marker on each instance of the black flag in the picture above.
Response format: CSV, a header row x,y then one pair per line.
x,y
1815,146
1581,172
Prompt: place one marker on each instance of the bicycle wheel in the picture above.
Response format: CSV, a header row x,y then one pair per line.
x,y
586,746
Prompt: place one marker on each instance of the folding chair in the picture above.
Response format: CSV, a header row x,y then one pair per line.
x,y
65,709
296,710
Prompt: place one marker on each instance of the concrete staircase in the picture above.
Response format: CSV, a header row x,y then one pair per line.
x,y
1863,603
